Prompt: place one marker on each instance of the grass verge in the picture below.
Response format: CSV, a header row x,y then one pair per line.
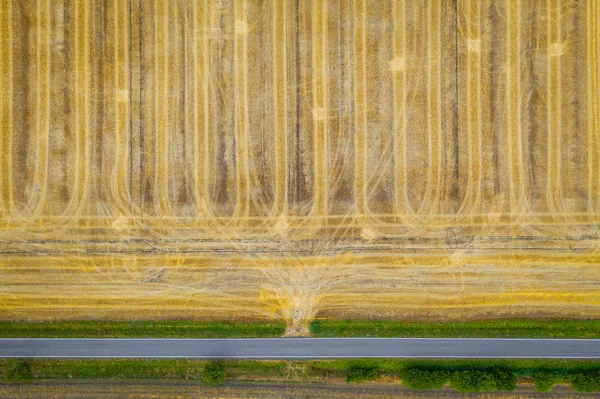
x,y
141,329
290,371
509,328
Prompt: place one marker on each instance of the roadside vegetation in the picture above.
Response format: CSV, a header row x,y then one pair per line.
x,y
424,378
508,328
16,370
484,380
586,381
544,380
357,374
462,375
141,329
213,374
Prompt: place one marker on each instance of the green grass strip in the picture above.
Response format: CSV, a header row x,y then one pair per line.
x,y
182,369
509,328
522,367
141,329
136,369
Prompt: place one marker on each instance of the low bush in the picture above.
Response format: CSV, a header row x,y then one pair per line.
x,y
360,374
505,379
473,380
213,374
423,379
588,381
17,370
543,381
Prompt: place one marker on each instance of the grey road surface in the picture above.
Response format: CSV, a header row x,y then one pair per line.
x,y
301,348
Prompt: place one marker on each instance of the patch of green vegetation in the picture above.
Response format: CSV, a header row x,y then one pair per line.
x,y
423,379
213,374
472,381
505,379
522,367
138,369
509,328
465,375
358,374
117,369
587,381
141,329
256,368
544,380
482,380
16,370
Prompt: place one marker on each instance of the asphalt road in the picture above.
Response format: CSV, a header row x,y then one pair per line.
x,y
301,348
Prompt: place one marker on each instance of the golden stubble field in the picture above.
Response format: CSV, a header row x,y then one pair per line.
x,y
291,159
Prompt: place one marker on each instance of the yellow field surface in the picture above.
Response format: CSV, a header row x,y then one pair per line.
x,y
292,159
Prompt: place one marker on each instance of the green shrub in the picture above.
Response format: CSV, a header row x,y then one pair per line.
x,y
422,379
360,374
504,378
213,374
586,381
17,370
543,381
473,381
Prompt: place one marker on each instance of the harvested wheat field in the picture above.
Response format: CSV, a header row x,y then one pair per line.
x,y
292,159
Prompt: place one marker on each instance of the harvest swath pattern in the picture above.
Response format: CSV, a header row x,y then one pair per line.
x,y
288,159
